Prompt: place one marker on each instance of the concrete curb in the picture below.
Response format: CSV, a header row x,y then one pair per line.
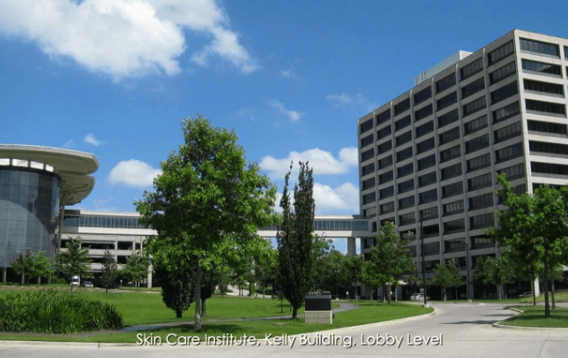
x,y
517,311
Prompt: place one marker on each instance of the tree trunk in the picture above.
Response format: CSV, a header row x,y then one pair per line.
x,y
263,290
553,300
456,291
389,293
198,298
178,313
444,291
533,292
23,279
545,278
203,311
499,292
39,280
294,312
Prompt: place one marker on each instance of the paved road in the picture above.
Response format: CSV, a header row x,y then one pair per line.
x,y
456,330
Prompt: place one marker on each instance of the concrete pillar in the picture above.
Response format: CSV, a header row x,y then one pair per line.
x,y
351,246
537,287
4,274
150,269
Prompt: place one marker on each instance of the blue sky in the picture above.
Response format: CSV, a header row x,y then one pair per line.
x,y
116,77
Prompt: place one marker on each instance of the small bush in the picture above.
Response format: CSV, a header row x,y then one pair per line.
x,y
51,311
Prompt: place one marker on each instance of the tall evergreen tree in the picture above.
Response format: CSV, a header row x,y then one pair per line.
x,y
110,271
74,261
295,239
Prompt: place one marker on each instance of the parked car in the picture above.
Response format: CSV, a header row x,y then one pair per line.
x,y
418,297
526,294
88,284
75,281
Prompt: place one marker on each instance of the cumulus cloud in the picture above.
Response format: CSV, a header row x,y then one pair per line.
x,y
90,138
322,162
133,173
344,99
344,197
289,73
293,115
125,38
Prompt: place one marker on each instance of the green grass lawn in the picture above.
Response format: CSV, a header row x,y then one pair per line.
x,y
369,312
533,316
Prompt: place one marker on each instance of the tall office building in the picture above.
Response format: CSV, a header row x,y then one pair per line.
x,y
430,157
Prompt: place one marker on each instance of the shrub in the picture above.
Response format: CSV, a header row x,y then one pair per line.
x,y
51,311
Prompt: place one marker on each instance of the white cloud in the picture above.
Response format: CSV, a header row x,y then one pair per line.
x,y
133,173
69,144
293,115
125,38
344,99
322,162
90,138
100,202
344,197
289,73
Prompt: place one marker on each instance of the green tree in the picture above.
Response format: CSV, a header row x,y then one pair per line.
x,y
177,290
110,271
136,267
447,275
207,202
295,239
534,230
30,265
74,261
497,271
352,273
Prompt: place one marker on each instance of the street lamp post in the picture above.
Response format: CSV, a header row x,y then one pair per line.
x,y
423,264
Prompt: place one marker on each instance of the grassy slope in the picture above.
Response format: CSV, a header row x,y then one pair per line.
x,y
533,316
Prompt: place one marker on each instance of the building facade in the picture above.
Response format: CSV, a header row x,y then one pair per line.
x,y
429,159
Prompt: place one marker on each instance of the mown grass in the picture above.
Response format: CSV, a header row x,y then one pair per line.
x,y
533,316
369,312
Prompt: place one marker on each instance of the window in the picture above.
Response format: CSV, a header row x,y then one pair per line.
x,y
366,155
404,154
565,53
454,226
473,87
428,196
382,133
405,170
406,219
406,186
482,221
424,129
386,177
540,47
477,144
471,69
542,67
427,179
385,162
454,207
432,248
425,145
507,132
448,118
547,127
427,162
476,124
474,106
370,212
447,101
383,148
423,95
476,163
481,242
383,117
369,168
507,153
450,135
504,92
506,112
404,138
406,202
502,73
545,147
454,245
401,107
482,181
514,172
369,198
500,53
546,107
451,153
366,141
545,87
429,214
446,83
452,171
411,251
423,113
387,208
386,192
402,123
546,168
452,189
431,230
408,235
369,183
366,126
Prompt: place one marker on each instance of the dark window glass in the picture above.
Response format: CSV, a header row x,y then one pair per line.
x,y
454,226
547,127
425,145
545,147
424,129
501,52
452,189
427,179
382,133
452,171
405,170
402,123
446,83
502,73
474,106
514,172
471,69
404,154
427,162
473,87
423,95
386,192
406,202
404,138
481,242
476,124
368,154
546,107
406,219
504,92
482,221
451,153
476,163
542,67
565,53
431,230
368,213
386,177
454,207
540,47
507,153
432,248
429,213
385,147
447,101
401,107
450,135
387,208
428,196
506,112
422,113
366,126
369,183
385,162
479,182
383,117
545,87
448,118
454,245
507,132
368,198
369,168
366,141
477,143
406,186
547,168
